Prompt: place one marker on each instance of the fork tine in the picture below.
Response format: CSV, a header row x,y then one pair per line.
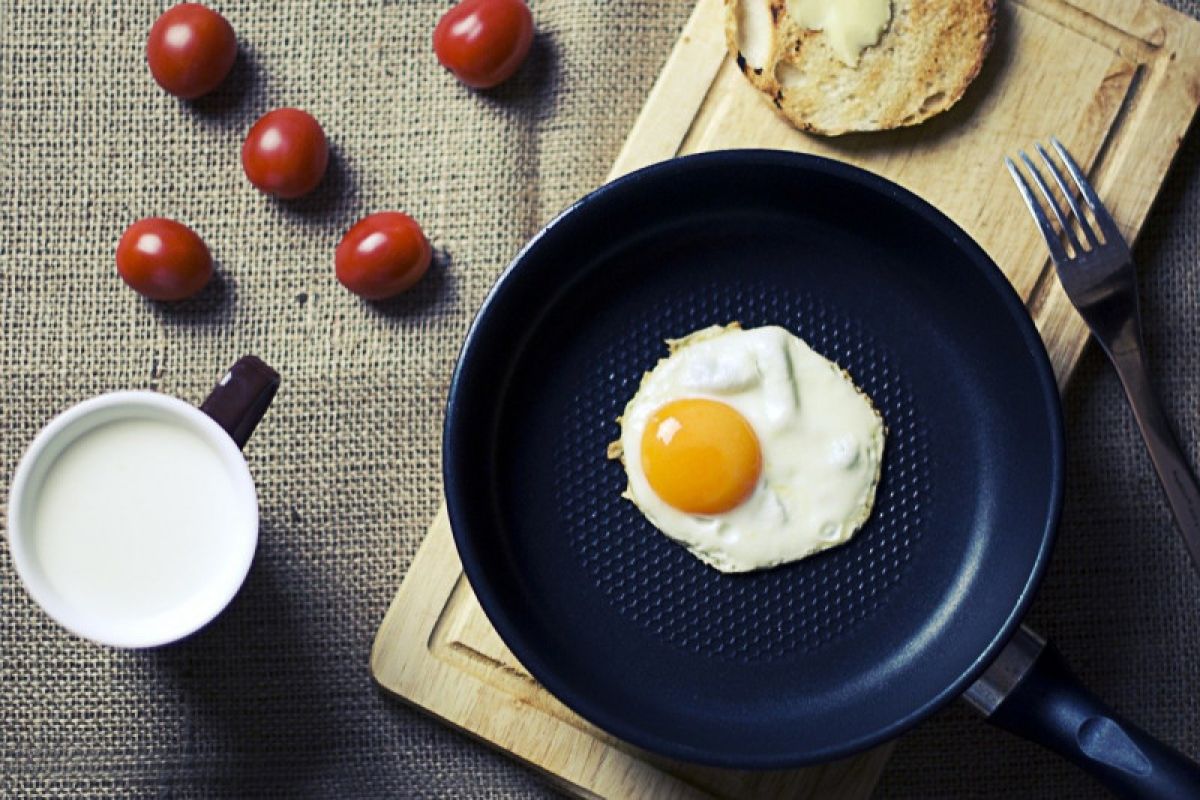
x,y
1039,215
1107,225
1084,225
1046,193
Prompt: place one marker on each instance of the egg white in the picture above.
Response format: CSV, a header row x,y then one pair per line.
x,y
821,441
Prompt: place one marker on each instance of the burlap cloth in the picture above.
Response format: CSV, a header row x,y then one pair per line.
x,y
275,698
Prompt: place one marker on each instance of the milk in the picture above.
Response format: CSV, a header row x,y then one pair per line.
x,y
133,518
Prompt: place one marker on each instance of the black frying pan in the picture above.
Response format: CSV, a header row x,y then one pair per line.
x,y
815,660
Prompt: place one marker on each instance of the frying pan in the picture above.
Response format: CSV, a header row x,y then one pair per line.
x,y
815,660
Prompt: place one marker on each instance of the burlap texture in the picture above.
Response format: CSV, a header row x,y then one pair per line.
x,y
275,698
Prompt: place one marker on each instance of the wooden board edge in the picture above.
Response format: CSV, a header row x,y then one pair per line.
x,y
1150,20
686,78
425,604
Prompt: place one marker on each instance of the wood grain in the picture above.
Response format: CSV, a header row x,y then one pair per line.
x,y
1118,81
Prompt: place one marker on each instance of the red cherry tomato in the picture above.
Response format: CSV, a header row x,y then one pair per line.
x,y
382,255
285,153
483,42
162,259
190,50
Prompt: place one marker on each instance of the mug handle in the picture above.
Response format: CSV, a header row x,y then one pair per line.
x,y
241,397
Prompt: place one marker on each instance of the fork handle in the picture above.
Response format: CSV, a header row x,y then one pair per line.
x,y
1174,473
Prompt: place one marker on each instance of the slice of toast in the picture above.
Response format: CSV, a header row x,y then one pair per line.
x,y
926,58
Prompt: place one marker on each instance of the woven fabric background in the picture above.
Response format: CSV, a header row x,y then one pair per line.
x,y
274,699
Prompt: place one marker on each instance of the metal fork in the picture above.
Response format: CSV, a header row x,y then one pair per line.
x,y
1098,276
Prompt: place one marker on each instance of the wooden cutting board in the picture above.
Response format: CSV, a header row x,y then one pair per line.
x,y
1118,81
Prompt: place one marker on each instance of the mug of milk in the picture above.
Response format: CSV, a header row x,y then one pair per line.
x,y
132,517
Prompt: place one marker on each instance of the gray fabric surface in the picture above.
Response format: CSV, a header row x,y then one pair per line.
x,y
274,698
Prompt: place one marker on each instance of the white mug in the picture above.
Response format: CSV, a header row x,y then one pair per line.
x,y
132,516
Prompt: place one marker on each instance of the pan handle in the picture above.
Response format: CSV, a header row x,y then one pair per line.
x,y
1030,691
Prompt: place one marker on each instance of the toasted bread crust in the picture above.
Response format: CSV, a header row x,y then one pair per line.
x,y
922,65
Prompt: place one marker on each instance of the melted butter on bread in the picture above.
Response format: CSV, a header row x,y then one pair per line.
x,y
851,26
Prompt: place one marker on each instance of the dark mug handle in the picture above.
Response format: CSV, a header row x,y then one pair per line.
x,y
241,397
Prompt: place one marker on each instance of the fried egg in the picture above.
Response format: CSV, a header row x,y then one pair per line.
x,y
750,449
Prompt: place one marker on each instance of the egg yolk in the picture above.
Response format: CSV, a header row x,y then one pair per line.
x,y
701,456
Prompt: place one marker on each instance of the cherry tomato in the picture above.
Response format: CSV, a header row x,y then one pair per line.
x,y
190,50
483,42
382,255
162,259
285,153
